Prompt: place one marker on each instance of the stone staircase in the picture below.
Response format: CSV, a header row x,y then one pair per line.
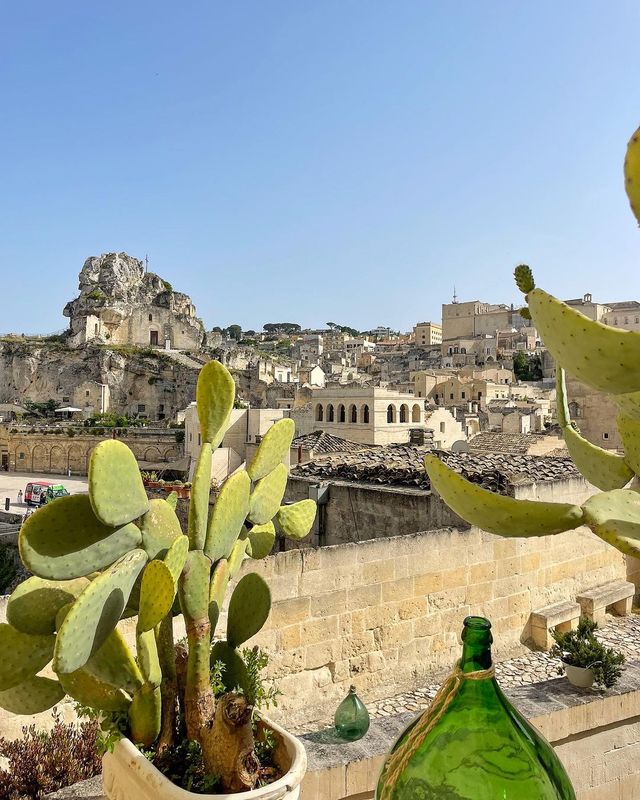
x,y
192,362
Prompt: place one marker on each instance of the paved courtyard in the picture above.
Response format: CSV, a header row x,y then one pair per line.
x,y
11,482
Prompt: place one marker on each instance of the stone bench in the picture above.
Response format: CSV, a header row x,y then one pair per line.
x,y
616,595
562,616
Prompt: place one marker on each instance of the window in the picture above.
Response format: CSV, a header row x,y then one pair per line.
x,y
199,439
415,413
86,394
364,414
605,435
391,413
442,427
95,329
330,412
404,413
463,395
353,414
451,396
319,412
141,408
21,456
150,317
341,413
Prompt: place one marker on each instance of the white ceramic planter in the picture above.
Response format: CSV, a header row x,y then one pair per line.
x,y
128,775
582,677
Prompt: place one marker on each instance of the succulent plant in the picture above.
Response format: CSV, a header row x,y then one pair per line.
x,y
112,554
605,358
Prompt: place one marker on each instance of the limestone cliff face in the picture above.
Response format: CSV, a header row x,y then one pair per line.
x,y
40,371
121,303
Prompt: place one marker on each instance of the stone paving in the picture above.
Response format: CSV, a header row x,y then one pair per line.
x,y
623,633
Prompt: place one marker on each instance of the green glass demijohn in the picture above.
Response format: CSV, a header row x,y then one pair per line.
x,y
471,743
351,717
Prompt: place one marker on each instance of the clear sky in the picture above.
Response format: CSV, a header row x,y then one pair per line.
x,y
317,160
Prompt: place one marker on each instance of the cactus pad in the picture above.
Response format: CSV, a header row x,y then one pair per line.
x,y
524,278
603,357
273,449
23,655
90,691
65,540
157,593
296,520
96,612
199,506
628,404
194,586
177,556
248,609
33,606
172,499
228,516
144,715
115,485
261,540
267,495
496,513
215,394
615,517
32,696
632,173
234,673
148,657
160,528
629,430
238,553
217,589
602,468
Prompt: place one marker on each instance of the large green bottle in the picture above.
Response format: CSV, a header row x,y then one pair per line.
x,y
471,743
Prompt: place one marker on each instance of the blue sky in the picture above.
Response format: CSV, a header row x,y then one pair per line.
x,y
343,160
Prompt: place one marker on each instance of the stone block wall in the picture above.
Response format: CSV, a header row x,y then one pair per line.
x,y
386,614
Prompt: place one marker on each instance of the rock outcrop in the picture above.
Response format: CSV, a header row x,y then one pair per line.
x,y
121,303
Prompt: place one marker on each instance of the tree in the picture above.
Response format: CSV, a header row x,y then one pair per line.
x,y
281,327
527,367
234,332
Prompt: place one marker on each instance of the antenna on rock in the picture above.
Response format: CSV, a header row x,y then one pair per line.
x,y
455,296
146,262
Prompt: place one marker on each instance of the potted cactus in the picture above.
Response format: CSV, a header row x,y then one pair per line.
x,y
584,659
605,358
113,554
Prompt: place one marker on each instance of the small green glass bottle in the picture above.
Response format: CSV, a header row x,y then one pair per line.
x,y
351,717
471,743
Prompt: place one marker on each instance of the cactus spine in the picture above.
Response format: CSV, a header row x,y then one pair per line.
x,y
146,567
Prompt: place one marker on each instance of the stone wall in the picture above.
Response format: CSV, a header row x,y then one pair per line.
x,y
386,613
56,452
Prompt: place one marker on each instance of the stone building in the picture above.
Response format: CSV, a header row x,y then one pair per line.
x,y
427,333
476,318
121,304
370,414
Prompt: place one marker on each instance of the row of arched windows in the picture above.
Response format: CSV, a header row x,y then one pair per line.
x,y
352,414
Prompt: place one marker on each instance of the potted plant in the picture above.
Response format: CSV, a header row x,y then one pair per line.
x,y
113,554
586,660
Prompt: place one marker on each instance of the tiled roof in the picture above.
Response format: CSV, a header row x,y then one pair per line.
x,y
402,465
323,442
488,441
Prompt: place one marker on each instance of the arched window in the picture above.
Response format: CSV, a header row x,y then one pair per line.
x,y
442,427
391,413
463,350
319,412
404,413
353,414
364,414
415,413
341,413
330,412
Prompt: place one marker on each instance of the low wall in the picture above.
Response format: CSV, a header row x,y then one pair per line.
x,y
385,614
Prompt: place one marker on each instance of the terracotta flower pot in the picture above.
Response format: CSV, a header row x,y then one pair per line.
x,y
128,775
582,677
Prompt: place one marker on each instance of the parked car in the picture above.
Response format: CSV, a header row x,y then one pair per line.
x,y
57,490
34,492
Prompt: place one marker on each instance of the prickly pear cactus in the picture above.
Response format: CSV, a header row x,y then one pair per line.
x,y
112,554
605,358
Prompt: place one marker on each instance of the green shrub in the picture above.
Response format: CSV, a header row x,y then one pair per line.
x,y
580,648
